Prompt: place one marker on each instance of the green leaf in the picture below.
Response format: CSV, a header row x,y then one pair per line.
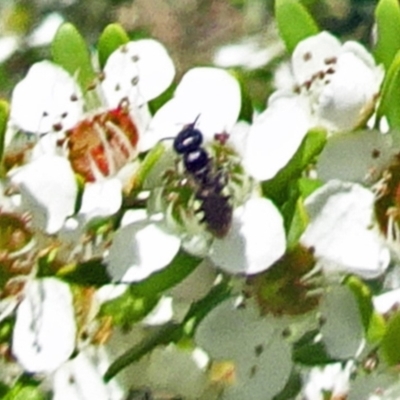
x,y
390,345
387,16
129,308
294,22
90,273
373,323
278,187
181,266
246,110
298,223
110,40
25,388
158,102
308,351
390,98
4,113
69,50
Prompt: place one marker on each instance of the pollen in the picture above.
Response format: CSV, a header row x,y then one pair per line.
x,y
101,145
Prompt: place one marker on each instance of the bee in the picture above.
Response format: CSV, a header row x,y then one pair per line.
x,y
209,182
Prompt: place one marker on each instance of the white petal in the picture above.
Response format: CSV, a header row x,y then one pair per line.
x,y
8,46
45,330
79,379
161,314
340,230
140,249
275,135
45,97
342,331
310,55
145,61
101,199
343,102
255,241
48,189
387,301
357,156
210,94
44,33
261,356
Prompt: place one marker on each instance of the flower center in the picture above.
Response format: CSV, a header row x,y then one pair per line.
x,y
387,204
101,145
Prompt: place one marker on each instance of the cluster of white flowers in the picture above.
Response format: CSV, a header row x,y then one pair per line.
x,y
70,195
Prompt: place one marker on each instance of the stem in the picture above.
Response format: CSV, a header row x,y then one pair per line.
x,y
164,335
171,331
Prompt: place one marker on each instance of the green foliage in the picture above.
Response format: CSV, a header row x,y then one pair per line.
x,y
390,345
6,329
69,50
311,352
293,210
294,22
296,221
246,111
181,266
89,273
4,113
374,324
278,188
25,389
171,332
158,102
390,98
387,15
110,40
129,308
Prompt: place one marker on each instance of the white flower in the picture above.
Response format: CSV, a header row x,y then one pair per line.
x,y
211,96
48,190
336,88
100,143
254,242
341,230
81,378
254,347
141,248
45,330
333,379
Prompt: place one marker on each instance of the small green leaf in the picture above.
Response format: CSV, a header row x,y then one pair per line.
x,y
390,98
294,22
390,345
158,102
25,388
246,110
387,16
308,351
373,323
298,223
89,273
129,308
110,40
69,50
181,266
4,113
278,187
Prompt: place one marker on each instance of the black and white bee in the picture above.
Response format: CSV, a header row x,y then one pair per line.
x,y
209,182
